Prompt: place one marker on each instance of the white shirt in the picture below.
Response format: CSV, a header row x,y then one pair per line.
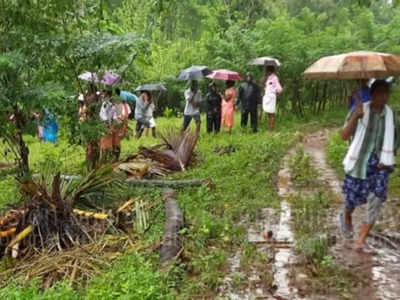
x,y
143,110
107,111
190,109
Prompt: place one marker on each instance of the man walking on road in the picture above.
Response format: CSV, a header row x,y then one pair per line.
x,y
249,98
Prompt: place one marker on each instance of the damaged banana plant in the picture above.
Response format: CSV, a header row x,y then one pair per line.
x,y
47,219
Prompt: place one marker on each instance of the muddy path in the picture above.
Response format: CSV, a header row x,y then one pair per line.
x,y
375,277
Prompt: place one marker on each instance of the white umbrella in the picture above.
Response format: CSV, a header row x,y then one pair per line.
x,y
265,61
89,76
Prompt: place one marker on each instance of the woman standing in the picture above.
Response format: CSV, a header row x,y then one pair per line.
x,y
228,106
273,89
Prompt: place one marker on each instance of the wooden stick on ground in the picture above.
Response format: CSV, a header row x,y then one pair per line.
x,y
172,243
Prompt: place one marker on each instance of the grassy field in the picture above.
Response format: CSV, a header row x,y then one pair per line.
x,y
245,182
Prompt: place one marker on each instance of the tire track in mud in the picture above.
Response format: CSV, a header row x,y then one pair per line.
x,y
377,276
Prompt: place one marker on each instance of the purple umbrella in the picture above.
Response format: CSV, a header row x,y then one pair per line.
x,y
89,76
110,78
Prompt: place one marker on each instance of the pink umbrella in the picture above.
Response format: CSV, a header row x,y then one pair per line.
x,y
224,75
110,78
89,76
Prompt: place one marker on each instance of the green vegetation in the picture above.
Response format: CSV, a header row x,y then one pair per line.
x,y
336,150
303,175
311,223
244,183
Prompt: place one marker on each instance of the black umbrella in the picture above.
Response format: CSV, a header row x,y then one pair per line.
x,y
152,87
194,73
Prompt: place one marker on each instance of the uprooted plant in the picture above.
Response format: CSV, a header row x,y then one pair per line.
x,y
47,219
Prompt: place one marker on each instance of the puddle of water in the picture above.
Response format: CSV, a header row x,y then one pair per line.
x,y
283,257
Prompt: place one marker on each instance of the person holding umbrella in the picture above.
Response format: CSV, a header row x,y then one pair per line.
x,y
192,107
272,89
213,109
229,96
371,129
129,98
249,97
370,159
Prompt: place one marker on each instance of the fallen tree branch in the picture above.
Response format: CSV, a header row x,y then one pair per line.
x,y
176,184
172,243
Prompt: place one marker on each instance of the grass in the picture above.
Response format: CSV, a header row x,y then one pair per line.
x,y
245,182
302,174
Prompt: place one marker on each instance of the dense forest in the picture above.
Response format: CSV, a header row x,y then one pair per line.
x,y
45,44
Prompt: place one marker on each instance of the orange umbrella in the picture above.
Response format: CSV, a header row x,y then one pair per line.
x,y
355,65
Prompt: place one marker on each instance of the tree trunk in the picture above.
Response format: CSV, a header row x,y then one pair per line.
x,y
23,151
170,183
172,242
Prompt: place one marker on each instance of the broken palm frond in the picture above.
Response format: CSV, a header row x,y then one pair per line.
x,y
77,265
179,151
128,204
142,217
47,220
142,168
90,214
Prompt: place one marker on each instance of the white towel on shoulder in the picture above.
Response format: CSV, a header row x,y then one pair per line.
x,y
387,152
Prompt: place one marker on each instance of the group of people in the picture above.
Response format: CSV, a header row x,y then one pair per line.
x,y
221,106
115,111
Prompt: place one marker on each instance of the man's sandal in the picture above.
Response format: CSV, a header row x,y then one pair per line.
x,y
346,230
